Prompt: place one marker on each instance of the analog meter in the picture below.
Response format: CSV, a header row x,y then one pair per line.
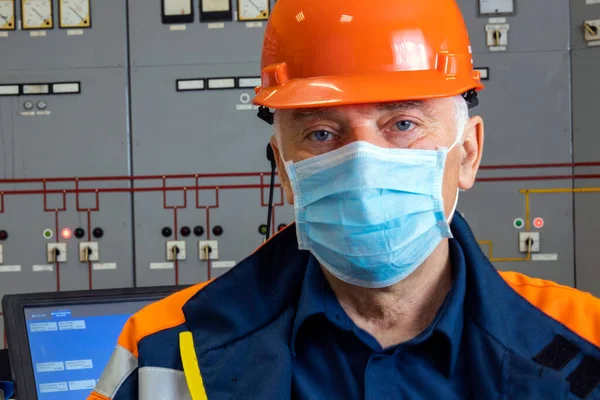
x,y
37,14
75,14
253,10
7,15
496,7
177,11
215,10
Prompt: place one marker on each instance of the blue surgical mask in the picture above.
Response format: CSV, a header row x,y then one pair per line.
x,y
371,216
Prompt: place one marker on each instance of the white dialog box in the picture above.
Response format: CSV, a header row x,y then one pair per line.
x,y
208,250
56,253
529,242
176,250
88,251
497,36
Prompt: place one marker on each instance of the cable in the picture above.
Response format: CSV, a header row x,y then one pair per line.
x,y
271,158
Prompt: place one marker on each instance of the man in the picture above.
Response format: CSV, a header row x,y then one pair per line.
x,y
371,294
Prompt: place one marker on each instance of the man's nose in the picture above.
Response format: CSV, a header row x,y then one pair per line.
x,y
367,133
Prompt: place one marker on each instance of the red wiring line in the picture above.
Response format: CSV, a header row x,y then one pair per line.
x,y
89,228
208,262
541,166
75,189
57,263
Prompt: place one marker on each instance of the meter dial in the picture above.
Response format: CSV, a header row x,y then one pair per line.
x,y
253,10
37,14
7,15
75,14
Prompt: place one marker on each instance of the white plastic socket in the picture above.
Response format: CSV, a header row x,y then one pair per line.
x,y
176,250
208,250
88,251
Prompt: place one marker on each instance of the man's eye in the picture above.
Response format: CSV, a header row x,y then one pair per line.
x,y
321,136
405,126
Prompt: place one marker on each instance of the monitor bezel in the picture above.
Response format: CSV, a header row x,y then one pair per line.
x,y
15,324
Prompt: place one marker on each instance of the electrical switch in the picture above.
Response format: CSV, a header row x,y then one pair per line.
x,y
591,30
208,250
88,251
56,252
529,242
176,250
497,36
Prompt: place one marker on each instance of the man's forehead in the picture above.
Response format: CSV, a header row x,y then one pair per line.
x,y
424,106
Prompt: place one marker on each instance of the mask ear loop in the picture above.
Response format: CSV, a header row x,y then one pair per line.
x,y
457,141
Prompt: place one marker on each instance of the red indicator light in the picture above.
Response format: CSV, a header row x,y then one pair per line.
x,y
66,233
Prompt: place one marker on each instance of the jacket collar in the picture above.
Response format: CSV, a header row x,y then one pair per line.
x,y
248,296
443,335
269,281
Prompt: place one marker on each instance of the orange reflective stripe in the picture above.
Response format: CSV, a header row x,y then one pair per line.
x,y
578,311
156,317
97,396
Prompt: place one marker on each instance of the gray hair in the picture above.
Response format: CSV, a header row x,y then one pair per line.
x,y
461,116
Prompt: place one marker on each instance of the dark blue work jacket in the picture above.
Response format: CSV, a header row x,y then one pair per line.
x,y
272,329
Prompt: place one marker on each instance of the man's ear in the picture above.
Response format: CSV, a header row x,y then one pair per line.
x,y
472,152
283,177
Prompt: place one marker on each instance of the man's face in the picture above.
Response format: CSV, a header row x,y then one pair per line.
x,y
425,125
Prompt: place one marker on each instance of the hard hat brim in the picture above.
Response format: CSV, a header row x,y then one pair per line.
x,y
381,87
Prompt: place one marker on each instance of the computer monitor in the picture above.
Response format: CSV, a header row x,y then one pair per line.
x,y
59,343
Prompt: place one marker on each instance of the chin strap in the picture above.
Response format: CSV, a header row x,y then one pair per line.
x,y
271,158
266,115
471,98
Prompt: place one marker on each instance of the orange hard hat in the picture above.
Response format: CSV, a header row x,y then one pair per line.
x,y
319,53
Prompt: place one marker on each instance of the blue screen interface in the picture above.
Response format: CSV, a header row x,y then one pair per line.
x,y
71,345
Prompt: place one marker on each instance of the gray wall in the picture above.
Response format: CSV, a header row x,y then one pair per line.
x,y
129,120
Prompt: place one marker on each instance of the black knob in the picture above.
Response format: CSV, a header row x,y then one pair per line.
x,y
176,249
3,235
167,232
217,230
98,233
198,230
79,233
56,252
281,227
262,229
185,231
89,251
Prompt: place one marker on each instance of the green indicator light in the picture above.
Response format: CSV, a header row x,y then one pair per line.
x,y
48,234
262,229
519,223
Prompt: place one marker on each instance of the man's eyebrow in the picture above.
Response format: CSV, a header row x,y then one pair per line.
x,y
302,114
406,105
306,113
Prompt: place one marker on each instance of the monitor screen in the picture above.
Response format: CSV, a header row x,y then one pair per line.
x,y
71,345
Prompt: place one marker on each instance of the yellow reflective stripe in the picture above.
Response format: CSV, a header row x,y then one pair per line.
x,y
190,366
